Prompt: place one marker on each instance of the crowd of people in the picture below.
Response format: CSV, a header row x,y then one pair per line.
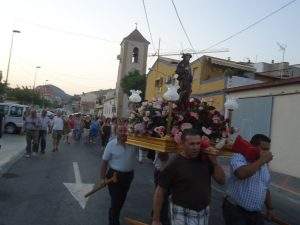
x,y
183,182
76,127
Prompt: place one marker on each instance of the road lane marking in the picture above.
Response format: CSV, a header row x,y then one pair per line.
x,y
79,189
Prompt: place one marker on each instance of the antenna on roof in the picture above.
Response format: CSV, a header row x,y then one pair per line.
x,y
282,47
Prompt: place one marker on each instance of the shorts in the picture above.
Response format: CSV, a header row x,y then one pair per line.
x,y
57,134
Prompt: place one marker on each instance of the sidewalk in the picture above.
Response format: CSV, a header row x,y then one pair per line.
x,y
12,148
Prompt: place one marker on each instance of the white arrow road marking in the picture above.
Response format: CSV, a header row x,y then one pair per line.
x,y
79,189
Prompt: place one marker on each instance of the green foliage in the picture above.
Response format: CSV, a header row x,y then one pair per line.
x,y
28,96
134,81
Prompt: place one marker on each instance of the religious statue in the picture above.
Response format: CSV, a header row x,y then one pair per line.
x,y
185,79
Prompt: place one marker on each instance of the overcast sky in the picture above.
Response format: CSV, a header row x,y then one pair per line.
x,y
81,63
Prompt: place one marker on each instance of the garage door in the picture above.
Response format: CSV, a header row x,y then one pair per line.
x,y
253,116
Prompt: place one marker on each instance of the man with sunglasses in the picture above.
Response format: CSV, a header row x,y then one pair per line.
x,y
119,158
188,177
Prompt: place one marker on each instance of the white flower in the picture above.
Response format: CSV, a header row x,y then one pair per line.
x,y
132,115
171,94
147,113
144,103
141,109
135,96
146,119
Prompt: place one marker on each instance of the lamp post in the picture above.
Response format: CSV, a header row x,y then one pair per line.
x,y
10,52
35,74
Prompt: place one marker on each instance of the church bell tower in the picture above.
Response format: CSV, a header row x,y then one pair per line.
x,y
133,56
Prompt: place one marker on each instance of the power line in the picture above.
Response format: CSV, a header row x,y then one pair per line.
x,y
184,30
70,32
251,25
148,24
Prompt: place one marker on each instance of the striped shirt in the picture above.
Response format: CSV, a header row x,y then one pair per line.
x,y
249,193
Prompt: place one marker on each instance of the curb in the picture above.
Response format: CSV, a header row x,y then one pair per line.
x,y
10,162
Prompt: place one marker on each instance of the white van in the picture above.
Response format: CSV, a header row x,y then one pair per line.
x,y
13,120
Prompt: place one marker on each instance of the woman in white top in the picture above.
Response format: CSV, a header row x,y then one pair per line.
x,y
58,126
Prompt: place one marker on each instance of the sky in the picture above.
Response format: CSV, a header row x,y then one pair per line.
x,y
76,42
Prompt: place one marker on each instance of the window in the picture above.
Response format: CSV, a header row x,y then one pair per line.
x,y
4,109
135,55
16,111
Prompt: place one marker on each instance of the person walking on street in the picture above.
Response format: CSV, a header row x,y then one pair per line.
x,y
188,177
119,158
77,128
106,132
161,160
31,125
86,128
94,131
66,130
58,126
248,186
45,124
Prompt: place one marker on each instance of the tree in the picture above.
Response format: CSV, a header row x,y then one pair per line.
x,y
25,95
134,81
3,88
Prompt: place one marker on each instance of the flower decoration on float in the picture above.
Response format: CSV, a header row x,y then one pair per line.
x,y
162,117
135,96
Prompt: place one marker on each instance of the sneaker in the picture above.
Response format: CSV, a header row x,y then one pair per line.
x,y
27,155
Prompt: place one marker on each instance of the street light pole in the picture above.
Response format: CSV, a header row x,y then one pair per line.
x,y
35,73
10,51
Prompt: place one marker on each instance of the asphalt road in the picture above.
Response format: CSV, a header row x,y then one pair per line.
x,y
33,192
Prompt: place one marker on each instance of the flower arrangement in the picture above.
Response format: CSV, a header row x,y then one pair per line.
x,y
153,119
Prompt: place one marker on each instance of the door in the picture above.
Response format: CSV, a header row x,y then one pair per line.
x,y
253,116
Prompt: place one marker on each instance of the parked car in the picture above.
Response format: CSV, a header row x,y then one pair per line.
x,y
13,117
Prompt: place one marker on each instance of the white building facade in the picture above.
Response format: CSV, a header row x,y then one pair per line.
x,y
272,109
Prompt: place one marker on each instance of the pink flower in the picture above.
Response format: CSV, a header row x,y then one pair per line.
x,y
146,119
157,105
180,117
192,99
206,131
160,130
139,128
186,126
175,130
195,115
177,137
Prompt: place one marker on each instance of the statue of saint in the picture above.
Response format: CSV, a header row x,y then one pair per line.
x,y
185,79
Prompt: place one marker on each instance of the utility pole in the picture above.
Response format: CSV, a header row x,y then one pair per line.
x,y
10,52
35,73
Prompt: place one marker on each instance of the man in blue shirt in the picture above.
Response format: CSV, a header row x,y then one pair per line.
x,y
248,186
119,158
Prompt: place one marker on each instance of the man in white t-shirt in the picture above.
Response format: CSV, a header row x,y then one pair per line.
x,y
57,129
119,158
